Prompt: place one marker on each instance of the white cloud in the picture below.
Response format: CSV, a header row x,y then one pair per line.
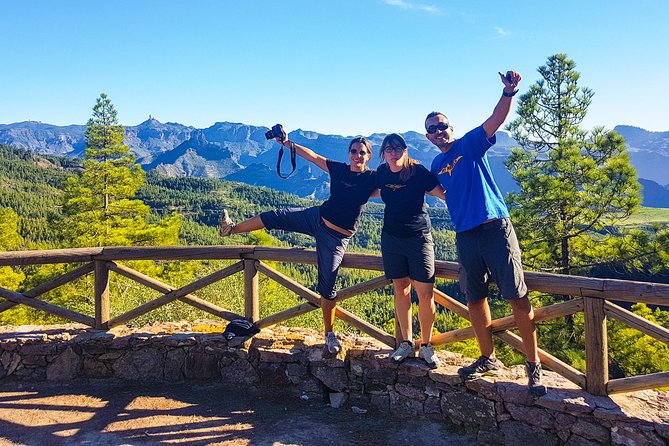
x,y
409,5
502,32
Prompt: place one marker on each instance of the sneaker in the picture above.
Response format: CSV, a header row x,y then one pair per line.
x,y
225,224
427,353
404,351
534,382
332,343
480,367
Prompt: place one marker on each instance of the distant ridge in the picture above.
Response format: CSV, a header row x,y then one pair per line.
x,y
240,152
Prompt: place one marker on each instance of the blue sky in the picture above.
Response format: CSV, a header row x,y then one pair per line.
x,y
344,67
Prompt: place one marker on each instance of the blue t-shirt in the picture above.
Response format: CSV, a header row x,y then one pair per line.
x,y
471,193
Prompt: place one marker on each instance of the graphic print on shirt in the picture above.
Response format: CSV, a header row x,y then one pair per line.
x,y
449,167
394,187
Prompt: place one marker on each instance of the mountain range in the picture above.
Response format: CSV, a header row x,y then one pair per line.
x,y
240,152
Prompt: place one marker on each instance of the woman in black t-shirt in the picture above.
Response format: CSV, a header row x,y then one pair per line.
x,y
332,224
406,242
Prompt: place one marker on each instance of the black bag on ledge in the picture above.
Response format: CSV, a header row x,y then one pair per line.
x,y
241,328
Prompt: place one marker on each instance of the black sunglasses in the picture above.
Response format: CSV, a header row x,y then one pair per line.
x,y
355,152
433,128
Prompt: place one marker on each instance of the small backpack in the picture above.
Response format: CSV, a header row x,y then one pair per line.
x,y
240,327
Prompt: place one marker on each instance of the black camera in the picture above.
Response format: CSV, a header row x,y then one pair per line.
x,y
275,132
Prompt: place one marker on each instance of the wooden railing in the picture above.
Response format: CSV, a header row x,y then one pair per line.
x,y
590,295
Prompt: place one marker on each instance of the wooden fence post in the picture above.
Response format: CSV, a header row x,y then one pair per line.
x,y
596,347
101,290
251,299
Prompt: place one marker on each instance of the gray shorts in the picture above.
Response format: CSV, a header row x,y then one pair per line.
x,y
330,244
411,257
490,250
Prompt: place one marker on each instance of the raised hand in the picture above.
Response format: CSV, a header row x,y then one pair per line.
x,y
510,80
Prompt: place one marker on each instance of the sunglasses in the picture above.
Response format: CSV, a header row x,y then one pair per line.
x,y
433,128
391,149
355,152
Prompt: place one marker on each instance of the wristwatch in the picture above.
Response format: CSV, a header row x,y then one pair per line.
x,y
509,95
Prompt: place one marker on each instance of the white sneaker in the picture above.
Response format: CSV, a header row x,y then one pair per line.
x,y
404,351
332,343
225,224
427,353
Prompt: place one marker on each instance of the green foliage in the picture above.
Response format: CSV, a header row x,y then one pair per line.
x,y
10,239
573,184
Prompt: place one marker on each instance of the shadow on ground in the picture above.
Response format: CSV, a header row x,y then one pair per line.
x,y
105,413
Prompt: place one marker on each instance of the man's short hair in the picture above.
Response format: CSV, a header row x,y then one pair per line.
x,y
436,113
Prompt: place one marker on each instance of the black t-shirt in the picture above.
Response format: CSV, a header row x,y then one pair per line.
x,y
349,191
406,213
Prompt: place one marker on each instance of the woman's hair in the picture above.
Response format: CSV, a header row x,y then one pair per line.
x,y
361,140
409,166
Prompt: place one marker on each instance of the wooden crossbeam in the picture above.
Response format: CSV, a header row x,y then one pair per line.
x,y
284,315
449,303
507,323
362,287
651,381
71,315
635,321
314,299
157,285
344,293
52,284
176,294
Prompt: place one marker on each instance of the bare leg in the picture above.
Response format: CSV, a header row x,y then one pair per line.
x,y
479,313
252,224
524,317
328,307
402,289
426,309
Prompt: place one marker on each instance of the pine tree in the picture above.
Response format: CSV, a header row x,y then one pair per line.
x,y
574,184
99,203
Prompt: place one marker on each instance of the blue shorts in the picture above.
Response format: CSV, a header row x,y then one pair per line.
x,y
330,244
490,250
411,257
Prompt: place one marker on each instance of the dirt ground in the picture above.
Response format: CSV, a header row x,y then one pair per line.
x,y
106,413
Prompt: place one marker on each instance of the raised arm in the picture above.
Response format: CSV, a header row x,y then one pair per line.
x,y
503,107
304,152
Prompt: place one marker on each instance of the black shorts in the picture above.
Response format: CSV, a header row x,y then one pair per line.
x,y
490,250
411,257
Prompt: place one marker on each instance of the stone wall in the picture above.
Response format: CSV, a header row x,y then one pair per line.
x,y
498,409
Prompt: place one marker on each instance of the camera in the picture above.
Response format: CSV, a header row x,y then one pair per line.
x,y
275,132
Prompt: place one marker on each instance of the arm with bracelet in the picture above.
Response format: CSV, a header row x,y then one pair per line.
x,y
503,107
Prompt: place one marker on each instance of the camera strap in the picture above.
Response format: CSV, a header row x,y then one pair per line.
x,y
292,161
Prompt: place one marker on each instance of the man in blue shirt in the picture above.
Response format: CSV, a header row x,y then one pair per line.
x,y
486,242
